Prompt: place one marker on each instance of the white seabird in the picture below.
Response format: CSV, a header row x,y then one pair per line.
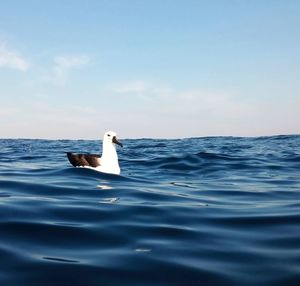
x,y
107,163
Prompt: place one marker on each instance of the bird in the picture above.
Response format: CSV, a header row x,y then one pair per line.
x,y
107,163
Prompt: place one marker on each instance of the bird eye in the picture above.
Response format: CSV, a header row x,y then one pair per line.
x,y
108,135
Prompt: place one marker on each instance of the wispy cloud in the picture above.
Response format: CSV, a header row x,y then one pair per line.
x,y
8,111
183,101
137,86
29,119
195,111
62,67
12,59
69,62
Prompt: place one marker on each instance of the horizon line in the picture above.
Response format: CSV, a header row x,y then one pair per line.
x,y
153,138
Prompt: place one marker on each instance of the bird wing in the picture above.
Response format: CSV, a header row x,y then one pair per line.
x,y
91,160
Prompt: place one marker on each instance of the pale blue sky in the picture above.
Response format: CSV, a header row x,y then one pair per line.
x,y
151,68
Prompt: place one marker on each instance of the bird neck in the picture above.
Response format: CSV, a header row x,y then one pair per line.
x,y
109,158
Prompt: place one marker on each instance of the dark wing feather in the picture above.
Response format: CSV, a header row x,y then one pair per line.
x,y
91,160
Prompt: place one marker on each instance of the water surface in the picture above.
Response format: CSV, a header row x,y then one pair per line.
x,y
199,211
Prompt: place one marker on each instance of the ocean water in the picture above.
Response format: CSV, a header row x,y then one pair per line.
x,y
199,211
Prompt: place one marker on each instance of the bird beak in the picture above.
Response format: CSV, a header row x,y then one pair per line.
x,y
115,140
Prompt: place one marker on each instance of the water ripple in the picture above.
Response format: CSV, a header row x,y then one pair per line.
x,y
196,211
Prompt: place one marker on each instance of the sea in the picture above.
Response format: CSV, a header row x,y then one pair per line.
x,y
195,211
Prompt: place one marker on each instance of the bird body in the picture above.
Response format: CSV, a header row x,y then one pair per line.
x,y
107,163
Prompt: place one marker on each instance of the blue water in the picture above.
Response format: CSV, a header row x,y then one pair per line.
x,y
200,211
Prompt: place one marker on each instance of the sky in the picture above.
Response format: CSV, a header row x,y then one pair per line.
x,y
152,68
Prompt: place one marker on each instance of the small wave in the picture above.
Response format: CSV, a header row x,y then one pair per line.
x,y
182,212
62,260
